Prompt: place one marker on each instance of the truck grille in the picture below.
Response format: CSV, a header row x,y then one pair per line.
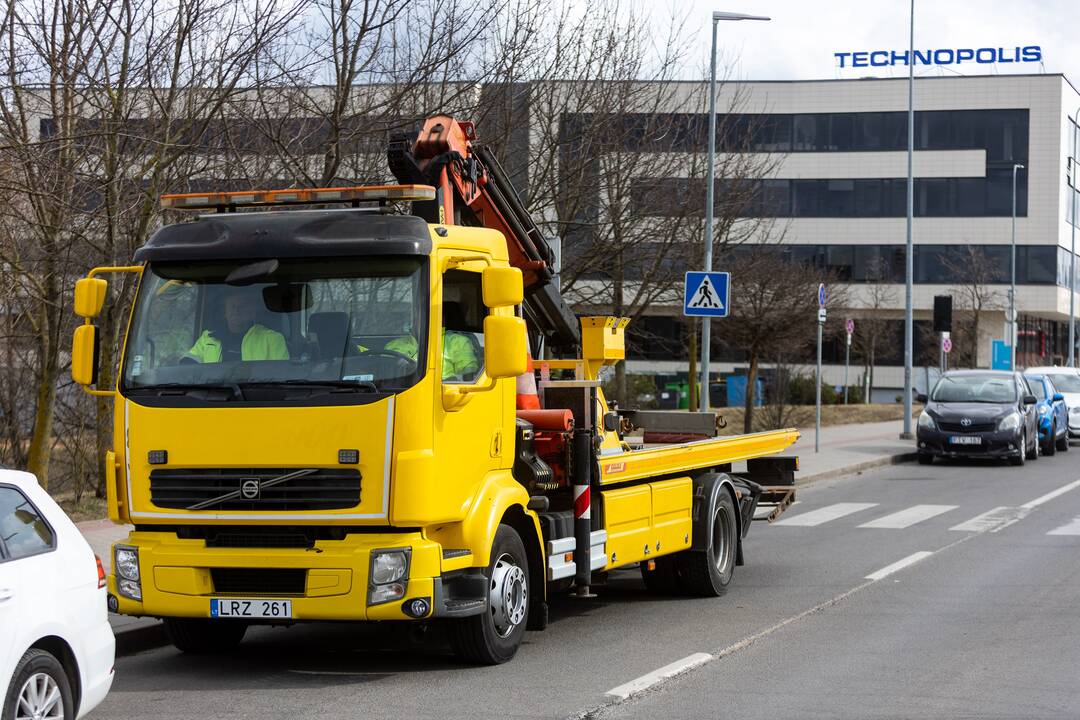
x,y
257,581
318,489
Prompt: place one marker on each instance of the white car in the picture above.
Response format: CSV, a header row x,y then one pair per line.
x,y
1067,382
56,646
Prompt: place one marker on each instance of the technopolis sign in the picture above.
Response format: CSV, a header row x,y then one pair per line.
x,y
944,56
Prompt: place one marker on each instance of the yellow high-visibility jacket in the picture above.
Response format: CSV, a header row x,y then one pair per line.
x,y
259,343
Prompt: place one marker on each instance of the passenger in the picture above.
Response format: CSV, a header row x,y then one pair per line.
x,y
459,355
243,338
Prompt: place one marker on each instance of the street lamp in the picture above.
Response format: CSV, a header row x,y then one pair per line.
x,y
909,261
717,16
1072,254
1012,282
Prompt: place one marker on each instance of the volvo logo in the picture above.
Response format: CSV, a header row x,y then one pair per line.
x,y
966,422
249,488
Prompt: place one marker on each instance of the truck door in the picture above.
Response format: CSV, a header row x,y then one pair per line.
x,y
473,431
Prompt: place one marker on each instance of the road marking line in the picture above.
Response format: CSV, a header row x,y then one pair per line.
x,y
1072,528
1051,495
668,671
899,565
992,520
907,518
824,515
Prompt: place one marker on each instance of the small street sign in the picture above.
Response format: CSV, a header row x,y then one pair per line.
x,y
821,315
850,326
707,294
821,296
946,344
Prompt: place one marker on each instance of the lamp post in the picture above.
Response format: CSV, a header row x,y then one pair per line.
x,y
909,268
1072,250
717,16
1012,281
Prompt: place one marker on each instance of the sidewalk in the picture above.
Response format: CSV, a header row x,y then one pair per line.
x,y
845,449
848,449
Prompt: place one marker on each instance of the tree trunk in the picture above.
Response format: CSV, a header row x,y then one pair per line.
x,y
692,370
40,451
620,384
748,404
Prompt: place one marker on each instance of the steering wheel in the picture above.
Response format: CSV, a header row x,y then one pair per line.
x,y
393,354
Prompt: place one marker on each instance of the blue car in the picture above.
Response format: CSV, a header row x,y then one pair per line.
x,y
1053,414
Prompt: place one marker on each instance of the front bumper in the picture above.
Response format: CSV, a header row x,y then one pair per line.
x,y
177,582
995,444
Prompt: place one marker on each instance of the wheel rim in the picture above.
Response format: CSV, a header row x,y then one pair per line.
x,y
721,544
39,699
508,595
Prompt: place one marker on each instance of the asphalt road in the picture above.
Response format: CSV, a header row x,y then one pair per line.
x,y
863,603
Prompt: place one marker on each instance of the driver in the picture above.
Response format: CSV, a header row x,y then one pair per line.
x,y
243,338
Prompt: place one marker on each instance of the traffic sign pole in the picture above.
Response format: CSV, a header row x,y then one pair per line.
x,y
817,404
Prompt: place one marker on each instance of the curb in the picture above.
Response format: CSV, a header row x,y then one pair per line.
x,y
857,468
140,637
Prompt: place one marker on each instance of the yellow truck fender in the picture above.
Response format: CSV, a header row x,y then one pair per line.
x,y
501,499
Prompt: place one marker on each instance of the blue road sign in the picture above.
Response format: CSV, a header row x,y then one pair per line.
x,y
707,294
1001,357
821,295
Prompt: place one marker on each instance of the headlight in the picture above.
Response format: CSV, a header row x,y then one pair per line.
x,y
1074,410
1043,409
127,563
1009,422
925,421
387,567
389,576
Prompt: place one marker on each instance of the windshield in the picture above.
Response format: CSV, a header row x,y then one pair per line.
x,y
241,328
975,389
1066,382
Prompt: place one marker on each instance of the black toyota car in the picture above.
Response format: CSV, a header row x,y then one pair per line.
x,y
979,413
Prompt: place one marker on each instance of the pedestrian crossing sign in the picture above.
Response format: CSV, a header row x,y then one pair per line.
x,y
706,294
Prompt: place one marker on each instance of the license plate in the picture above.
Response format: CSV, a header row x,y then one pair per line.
x,y
965,440
240,608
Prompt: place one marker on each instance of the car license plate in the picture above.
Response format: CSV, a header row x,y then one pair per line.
x,y
241,608
965,440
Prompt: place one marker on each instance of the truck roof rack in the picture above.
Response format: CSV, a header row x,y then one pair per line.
x,y
230,201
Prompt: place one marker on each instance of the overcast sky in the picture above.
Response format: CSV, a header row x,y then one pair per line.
x,y
800,40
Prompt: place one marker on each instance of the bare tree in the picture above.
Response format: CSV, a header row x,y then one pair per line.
x,y
873,326
776,309
976,296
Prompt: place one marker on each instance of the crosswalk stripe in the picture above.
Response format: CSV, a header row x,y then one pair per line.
x,y
907,518
991,520
1072,528
824,515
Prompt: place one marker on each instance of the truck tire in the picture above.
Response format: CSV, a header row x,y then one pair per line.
x,y
493,637
202,636
37,676
707,574
664,579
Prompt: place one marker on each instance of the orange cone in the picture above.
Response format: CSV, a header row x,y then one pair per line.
x,y
527,398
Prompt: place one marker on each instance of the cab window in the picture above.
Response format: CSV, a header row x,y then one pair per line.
x,y
23,531
463,314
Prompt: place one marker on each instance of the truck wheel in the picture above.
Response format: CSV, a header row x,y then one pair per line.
x,y
40,688
663,579
199,636
707,574
493,637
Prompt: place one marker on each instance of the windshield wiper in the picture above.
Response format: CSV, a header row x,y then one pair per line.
x,y
350,385
232,389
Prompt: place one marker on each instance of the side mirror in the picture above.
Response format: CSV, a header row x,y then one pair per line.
x,y
84,355
1058,397
505,347
90,296
921,398
503,287
1030,400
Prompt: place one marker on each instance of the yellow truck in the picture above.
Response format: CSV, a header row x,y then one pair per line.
x,y
326,410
